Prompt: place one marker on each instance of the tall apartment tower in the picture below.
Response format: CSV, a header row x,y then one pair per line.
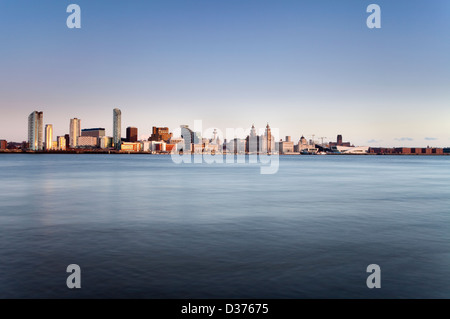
x,y
117,128
132,134
48,137
35,130
74,132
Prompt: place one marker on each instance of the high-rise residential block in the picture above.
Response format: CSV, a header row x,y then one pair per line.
x,y
74,132
117,128
48,137
35,131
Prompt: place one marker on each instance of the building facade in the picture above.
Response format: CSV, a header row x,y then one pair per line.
x,y
160,134
95,132
406,151
287,146
117,128
3,145
267,141
131,147
304,147
339,142
106,142
189,137
62,146
74,132
35,131
48,137
132,134
87,142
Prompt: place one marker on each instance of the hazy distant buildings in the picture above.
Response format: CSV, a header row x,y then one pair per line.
x,y
48,137
74,132
407,151
339,142
304,147
35,131
350,149
253,141
189,137
267,141
236,146
132,134
287,146
117,128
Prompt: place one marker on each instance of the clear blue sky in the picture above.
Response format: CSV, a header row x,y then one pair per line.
x,y
306,67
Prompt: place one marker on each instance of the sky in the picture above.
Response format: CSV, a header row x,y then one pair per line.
x,y
304,67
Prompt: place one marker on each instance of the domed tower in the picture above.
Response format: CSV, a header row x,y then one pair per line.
x,y
303,141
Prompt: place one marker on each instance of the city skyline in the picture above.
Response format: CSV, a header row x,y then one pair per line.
x,y
36,122
307,68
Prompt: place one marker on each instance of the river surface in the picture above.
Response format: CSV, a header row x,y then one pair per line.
x,y
142,226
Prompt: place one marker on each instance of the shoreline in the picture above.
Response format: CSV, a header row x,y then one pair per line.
x,y
115,152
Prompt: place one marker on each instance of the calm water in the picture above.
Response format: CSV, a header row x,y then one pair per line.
x,y
141,226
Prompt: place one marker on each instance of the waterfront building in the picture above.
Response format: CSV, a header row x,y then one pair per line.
x,y
105,141
339,142
407,151
253,145
48,137
236,146
160,134
287,146
87,142
197,148
61,140
304,147
67,138
132,134
178,143
95,132
35,131
189,137
267,141
3,145
350,149
74,132
117,128
211,148
171,148
131,146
